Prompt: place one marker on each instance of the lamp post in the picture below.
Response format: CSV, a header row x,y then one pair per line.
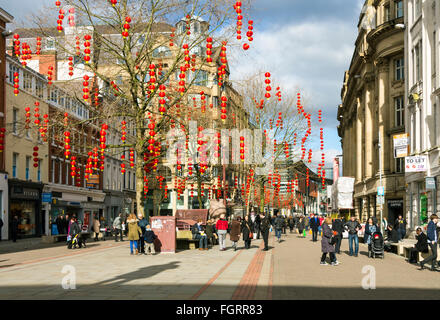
x,y
380,184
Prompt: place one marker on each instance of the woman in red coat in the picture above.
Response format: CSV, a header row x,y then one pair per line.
x,y
222,230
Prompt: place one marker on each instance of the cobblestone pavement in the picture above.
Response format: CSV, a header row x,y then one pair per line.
x,y
290,270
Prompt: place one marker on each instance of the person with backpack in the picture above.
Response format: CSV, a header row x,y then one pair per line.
x,y
222,229
149,238
278,225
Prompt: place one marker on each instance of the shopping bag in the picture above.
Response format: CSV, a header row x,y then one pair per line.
x,y
255,236
304,233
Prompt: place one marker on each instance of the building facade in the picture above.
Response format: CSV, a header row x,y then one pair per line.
x,y
422,105
372,107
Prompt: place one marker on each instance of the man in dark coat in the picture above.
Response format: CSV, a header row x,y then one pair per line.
x,y
432,242
14,229
265,227
246,229
420,246
339,228
1,226
400,226
257,225
314,225
392,237
142,223
59,221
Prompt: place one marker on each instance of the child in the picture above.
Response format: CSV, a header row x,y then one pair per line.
x,y
149,240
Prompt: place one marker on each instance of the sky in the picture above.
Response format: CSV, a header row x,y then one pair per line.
x,y
302,43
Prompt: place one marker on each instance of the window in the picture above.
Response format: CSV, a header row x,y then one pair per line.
x,y
215,102
53,171
434,126
12,70
400,72
399,111
61,100
417,63
434,54
50,44
201,78
400,165
54,95
399,8
417,9
39,88
161,52
28,163
27,81
387,15
14,164
14,120
129,180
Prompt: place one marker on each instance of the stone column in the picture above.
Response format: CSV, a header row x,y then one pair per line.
x,y
368,164
359,159
383,114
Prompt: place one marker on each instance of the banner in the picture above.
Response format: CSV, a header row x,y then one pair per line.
x,y
416,164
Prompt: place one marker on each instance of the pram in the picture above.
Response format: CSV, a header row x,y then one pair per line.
x,y
75,241
376,247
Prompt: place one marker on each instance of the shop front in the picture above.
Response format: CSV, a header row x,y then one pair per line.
x,y
395,209
25,204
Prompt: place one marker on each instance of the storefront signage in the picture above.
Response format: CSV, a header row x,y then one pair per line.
x,y
47,197
416,164
401,145
25,193
395,203
93,181
430,183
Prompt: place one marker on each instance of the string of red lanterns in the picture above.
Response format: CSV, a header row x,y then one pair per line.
x,y
126,27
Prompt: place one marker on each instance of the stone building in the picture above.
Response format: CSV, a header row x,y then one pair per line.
x,y
422,30
373,105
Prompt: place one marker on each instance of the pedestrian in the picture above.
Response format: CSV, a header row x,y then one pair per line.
x,y
96,225
257,225
222,229
279,223
432,242
370,229
133,233
149,237
59,221
353,228
301,227
247,231
235,232
1,226
314,225
265,227
14,230
392,237
284,223
321,220
291,224
327,243
199,233
142,224
211,232
400,226
117,226
420,246
338,227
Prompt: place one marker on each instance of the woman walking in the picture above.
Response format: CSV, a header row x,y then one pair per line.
x,y
222,229
301,227
327,245
246,229
370,228
234,234
133,232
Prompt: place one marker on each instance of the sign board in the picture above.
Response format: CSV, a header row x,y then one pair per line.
x,y
430,183
93,181
416,164
380,200
46,197
401,145
380,191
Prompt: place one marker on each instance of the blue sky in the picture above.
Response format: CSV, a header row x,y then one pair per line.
x,y
303,43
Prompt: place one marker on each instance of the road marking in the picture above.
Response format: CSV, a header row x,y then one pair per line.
x,y
197,295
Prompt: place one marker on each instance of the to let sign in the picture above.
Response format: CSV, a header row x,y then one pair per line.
x,y
416,164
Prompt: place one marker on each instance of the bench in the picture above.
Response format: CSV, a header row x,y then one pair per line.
x,y
53,238
421,256
185,241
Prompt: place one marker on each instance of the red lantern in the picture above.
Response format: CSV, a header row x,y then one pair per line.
x,y
187,57
172,35
242,149
86,88
49,75
223,105
17,45
114,2
245,46
87,45
250,33
182,77
237,8
131,158
71,17
58,3
70,66
268,87
38,48
2,139
208,49
67,144
16,83
162,100
60,21
126,27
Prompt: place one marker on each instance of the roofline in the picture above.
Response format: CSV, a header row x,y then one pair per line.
x,y
5,16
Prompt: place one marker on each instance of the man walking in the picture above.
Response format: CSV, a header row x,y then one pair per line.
x,y
353,227
432,242
314,225
142,223
278,225
264,227
117,225
400,227
339,228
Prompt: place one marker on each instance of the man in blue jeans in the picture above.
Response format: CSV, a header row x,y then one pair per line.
x,y
353,226
198,232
